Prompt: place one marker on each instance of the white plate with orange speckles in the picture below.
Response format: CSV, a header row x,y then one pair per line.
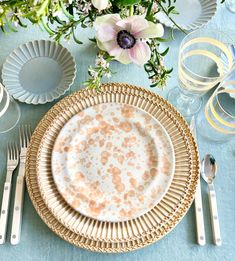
x,y
113,162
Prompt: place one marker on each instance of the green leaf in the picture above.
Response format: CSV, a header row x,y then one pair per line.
x,y
171,9
31,19
47,28
76,39
165,52
154,85
93,40
175,12
163,74
20,23
3,29
59,21
10,26
169,71
42,8
169,3
148,13
127,2
66,13
162,40
172,34
83,26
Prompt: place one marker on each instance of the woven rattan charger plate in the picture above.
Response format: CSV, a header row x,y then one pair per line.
x,y
105,236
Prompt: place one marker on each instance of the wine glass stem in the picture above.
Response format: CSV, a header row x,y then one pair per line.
x,y
184,100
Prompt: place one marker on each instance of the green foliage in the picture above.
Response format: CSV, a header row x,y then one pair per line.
x,y
155,68
126,2
60,19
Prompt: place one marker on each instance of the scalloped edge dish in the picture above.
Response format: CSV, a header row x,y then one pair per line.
x,y
193,14
18,62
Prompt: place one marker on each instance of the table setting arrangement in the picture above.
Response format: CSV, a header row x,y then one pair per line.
x,y
115,167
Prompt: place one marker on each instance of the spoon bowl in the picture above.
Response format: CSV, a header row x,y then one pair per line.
x,y
208,168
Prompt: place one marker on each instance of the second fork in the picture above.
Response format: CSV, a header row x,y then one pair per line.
x,y
12,162
25,135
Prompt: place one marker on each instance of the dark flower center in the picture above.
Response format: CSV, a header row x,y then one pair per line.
x,y
125,39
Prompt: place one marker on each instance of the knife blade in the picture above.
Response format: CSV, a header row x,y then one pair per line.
x,y
201,240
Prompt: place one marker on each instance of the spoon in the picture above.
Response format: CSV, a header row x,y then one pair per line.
x,y
208,173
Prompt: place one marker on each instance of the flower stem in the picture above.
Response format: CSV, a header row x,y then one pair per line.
x,y
164,11
131,11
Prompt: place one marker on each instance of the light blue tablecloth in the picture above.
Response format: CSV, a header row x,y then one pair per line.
x,y
39,243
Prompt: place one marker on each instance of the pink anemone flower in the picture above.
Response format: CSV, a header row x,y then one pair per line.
x,y
125,38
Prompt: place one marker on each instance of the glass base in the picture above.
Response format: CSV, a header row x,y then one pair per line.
x,y
208,132
186,105
230,4
10,118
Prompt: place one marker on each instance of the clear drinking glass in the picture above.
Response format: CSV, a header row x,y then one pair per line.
x,y
217,120
9,111
230,4
200,68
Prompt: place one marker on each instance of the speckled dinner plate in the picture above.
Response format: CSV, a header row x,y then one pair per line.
x,y
113,162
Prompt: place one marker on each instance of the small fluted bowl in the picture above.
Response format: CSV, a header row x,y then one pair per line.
x,y
38,72
193,14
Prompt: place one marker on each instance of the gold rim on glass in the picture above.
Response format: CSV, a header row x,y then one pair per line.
x,y
210,107
212,81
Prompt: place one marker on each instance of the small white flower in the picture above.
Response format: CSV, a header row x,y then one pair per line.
x,y
58,13
155,7
67,40
86,8
108,75
155,78
100,4
93,73
141,9
100,61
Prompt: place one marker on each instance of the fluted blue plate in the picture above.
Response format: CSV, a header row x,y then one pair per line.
x,y
38,72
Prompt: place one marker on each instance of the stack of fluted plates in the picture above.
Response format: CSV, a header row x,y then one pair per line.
x,y
112,171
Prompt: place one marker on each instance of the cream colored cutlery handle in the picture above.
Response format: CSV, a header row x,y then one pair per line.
x,y
214,216
201,239
17,211
4,211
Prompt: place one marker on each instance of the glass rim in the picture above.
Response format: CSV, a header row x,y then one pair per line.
x,y
184,40
219,103
205,30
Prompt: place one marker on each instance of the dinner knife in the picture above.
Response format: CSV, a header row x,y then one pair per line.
x,y
201,240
